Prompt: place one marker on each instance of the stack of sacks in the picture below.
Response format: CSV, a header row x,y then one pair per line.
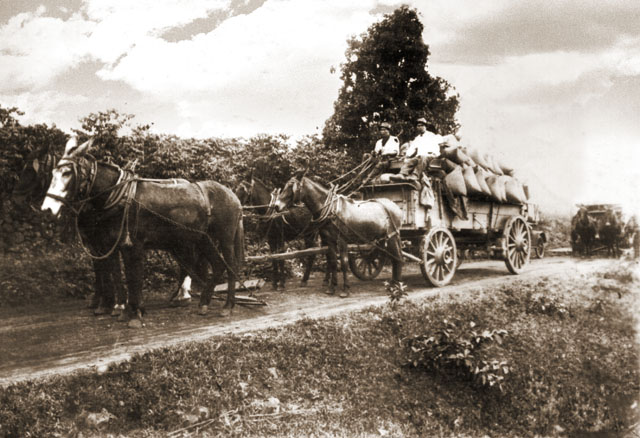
x,y
455,181
497,185
471,173
514,190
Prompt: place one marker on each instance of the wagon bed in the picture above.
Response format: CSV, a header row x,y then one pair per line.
x,y
437,229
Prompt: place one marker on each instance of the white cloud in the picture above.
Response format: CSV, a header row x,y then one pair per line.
x,y
123,24
269,69
43,106
34,49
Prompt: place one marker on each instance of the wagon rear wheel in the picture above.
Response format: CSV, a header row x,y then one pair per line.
x,y
517,244
439,256
367,264
539,249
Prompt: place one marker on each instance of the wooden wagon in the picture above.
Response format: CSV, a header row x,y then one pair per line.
x,y
436,237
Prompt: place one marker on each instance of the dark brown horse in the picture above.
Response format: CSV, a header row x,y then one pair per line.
x,y
137,214
583,232
347,221
31,187
279,229
610,231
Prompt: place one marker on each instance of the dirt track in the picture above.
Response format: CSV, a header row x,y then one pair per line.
x,y
37,342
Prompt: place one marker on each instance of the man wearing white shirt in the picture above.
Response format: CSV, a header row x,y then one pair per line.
x,y
387,145
425,145
386,148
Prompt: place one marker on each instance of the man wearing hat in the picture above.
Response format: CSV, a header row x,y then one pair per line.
x,y
425,145
386,148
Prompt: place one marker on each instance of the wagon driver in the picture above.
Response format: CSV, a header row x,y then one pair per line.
x,y
425,145
386,148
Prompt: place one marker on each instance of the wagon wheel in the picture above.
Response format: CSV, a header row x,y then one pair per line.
x,y
367,264
539,249
439,256
517,244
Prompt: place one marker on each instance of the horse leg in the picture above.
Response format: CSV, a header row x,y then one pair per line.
x,y
395,248
332,266
323,242
309,242
116,286
133,258
109,284
344,262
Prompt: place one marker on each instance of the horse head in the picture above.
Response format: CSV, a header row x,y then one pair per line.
x,y
35,176
66,176
289,195
243,192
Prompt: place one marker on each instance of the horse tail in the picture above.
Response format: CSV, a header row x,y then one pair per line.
x,y
239,245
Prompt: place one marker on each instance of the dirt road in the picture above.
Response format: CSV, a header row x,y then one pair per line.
x,y
36,342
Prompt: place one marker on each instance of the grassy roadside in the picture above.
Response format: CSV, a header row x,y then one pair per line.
x,y
570,348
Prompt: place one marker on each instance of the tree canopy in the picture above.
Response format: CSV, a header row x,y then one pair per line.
x,y
385,78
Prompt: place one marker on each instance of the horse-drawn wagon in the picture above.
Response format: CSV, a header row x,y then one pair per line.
x,y
597,228
438,228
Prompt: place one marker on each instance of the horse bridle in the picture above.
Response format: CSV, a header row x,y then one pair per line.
x,y
79,188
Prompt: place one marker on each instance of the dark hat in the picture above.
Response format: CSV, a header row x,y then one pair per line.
x,y
421,120
385,125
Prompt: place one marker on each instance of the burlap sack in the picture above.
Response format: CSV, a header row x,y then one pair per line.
x,y
456,155
455,181
470,180
492,165
496,184
506,169
481,178
514,191
477,157
448,165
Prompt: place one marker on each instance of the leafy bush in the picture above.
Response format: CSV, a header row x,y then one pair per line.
x,y
459,349
396,292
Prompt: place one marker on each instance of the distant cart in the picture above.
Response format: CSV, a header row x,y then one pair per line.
x,y
598,214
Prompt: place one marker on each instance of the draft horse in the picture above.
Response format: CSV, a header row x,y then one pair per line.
x,y
610,232
31,187
294,224
138,214
583,232
347,221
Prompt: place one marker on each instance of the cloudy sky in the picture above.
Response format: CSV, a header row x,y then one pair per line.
x,y
552,87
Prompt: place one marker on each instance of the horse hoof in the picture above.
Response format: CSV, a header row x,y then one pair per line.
x,y
329,292
180,303
135,324
225,311
100,310
344,294
203,310
116,312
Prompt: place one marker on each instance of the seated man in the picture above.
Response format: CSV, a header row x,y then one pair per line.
x,y
425,145
386,148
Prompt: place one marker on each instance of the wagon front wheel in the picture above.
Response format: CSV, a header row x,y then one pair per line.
x,y
517,244
439,256
367,265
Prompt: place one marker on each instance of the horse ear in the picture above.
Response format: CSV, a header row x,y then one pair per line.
x,y
84,147
71,146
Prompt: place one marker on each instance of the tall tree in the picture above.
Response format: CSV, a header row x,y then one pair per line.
x,y
385,78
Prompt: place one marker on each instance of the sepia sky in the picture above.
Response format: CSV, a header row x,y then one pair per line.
x,y
551,87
